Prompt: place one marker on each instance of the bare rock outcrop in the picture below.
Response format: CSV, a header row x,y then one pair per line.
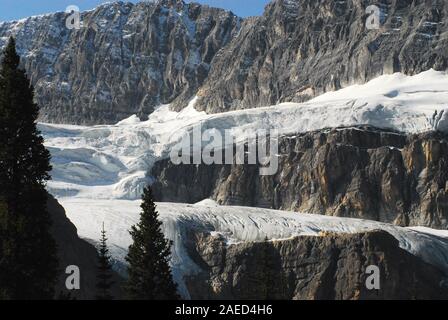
x,y
328,267
299,49
125,59
358,172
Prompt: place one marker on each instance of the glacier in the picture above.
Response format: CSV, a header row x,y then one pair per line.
x,y
99,172
235,224
111,161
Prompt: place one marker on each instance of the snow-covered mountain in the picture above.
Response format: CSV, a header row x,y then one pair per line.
x,y
128,59
111,161
376,149
99,172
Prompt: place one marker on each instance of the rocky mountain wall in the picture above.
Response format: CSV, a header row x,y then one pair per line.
x,y
125,59
299,49
358,172
328,267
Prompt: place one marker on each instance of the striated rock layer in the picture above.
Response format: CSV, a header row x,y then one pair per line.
x,y
301,48
125,59
128,58
328,267
353,172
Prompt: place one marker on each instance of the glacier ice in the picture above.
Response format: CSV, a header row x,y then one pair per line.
x,y
235,224
107,161
99,171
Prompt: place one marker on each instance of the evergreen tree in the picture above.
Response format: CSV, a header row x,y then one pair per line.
x,y
149,271
28,263
104,276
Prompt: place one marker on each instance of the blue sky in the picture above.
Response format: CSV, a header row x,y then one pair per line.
x,y
17,9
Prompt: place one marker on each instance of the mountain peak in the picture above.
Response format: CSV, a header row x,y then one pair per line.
x,y
171,3
133,58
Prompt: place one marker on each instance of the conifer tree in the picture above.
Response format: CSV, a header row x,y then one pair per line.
x,y
28,262
104,276
149,272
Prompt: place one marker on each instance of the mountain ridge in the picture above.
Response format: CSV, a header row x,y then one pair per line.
x,y
125,59
300,49
129,59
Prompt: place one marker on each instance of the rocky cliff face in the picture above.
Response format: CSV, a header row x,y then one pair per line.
x,y
74,251
125,59
327,267
299,49
354,172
